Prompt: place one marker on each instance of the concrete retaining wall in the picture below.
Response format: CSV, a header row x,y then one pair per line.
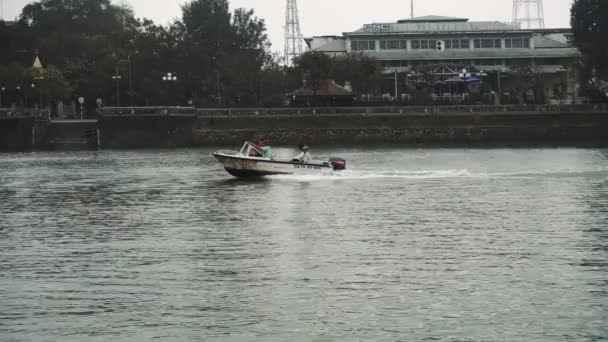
x,y
70,135
167,131
17,133
189,131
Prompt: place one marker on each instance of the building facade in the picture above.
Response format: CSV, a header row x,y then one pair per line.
x,y
454,54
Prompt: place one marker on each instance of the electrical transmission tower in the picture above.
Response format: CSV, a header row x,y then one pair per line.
x,y
293,35
528,14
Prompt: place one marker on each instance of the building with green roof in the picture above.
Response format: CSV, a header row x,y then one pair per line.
x,y
449,49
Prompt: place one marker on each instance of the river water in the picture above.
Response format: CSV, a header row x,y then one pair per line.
x,y
412,245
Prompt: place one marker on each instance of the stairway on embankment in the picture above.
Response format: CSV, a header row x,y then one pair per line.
x,y
76,134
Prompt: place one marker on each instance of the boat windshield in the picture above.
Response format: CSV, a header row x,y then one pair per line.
x,y
250,150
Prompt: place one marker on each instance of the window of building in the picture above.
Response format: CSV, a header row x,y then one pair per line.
x,y
363,45
393,44
457,44
517,43
488,43
423,44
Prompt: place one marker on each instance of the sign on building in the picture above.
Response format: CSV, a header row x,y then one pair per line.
x,y
377,27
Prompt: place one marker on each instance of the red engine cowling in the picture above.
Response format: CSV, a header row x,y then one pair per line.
x,y
337,163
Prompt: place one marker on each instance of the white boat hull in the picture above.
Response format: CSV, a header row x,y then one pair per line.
x,y
241,166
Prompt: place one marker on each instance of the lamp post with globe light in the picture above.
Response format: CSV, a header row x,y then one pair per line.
x,y
563,73
19,93
131,76
33,86
464,74
169,77
117,78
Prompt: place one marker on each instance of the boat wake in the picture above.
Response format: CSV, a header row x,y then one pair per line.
x,y
363,175
440,174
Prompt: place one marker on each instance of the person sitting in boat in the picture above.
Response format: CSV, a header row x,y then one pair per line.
x,y
304,156
262,143
264,147
258,150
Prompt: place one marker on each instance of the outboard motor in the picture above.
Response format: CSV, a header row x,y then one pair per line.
x,y
337,163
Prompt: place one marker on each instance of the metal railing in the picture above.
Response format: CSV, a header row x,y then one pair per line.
x,y
143,111
345,111
11,113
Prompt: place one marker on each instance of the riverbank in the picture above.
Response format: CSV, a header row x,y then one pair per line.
x,y
172,131
167,131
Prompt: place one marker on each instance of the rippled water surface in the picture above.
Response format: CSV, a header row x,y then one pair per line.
x,y
413,245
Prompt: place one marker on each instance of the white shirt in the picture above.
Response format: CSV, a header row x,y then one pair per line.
x,y
304,156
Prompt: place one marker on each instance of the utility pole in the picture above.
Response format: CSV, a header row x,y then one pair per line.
x,y
130,77
219,94
396,85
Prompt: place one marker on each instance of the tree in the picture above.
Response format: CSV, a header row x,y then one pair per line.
x,y
54,85
315,68
589,20
530,76
363,72
89,41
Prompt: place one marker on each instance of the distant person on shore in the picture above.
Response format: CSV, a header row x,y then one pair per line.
x,y
304,156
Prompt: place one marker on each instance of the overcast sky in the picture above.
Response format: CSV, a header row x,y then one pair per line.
x,y
321,17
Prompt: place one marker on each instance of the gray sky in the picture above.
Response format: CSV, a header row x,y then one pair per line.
x,y
320,17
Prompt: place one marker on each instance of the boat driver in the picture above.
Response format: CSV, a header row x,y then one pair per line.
x,y
304,156
265,148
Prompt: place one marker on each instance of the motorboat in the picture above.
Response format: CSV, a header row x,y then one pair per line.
x,y
249,162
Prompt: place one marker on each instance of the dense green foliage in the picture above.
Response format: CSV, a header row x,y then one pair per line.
x,y
86,42
590,27
361,71
220,58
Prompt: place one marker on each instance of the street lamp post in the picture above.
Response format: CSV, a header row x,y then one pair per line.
x,y
219,94
564,88
2,90
396,85
33,86
499,86
39,79
169,77
117,78
217,73
464,74
18,88
131,77
412,76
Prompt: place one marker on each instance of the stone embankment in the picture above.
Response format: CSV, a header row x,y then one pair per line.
x,y
448,129
561,128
